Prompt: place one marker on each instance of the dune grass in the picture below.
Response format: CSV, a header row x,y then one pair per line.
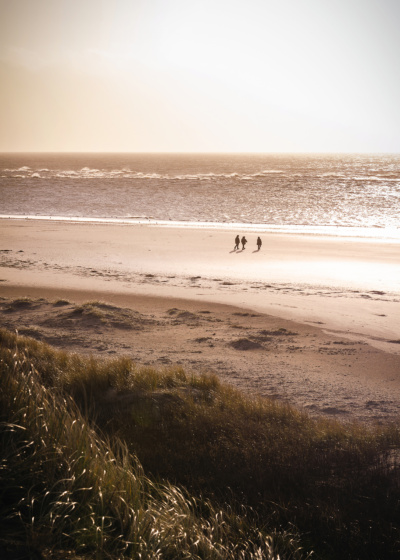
x,y
96,456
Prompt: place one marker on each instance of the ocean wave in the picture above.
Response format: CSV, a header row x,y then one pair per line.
x,y
64,174
375,178
88,170
18,170
93,173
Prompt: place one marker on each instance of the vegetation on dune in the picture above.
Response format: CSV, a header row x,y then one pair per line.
x,y
110,315
64,488
96,456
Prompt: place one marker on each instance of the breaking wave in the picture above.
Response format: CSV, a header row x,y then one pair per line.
x,y
88,173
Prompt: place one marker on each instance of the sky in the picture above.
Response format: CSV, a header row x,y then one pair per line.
x,y
200,75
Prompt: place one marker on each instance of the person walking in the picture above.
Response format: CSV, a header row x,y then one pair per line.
x,y
237,241
259,243
244,241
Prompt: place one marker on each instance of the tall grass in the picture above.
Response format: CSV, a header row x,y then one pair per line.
x,y
64,488
336,485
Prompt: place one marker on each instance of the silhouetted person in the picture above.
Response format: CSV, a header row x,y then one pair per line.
x,y
237,241
244,241
259,243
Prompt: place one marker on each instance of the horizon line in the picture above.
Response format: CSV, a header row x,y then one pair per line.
x,y
178,152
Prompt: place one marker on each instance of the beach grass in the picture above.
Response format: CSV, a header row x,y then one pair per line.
x,y
107,459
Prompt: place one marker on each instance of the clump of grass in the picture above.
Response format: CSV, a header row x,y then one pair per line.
x,y
337,484
65,489
245,344
22,303
91,308
278,332
61,302
172,311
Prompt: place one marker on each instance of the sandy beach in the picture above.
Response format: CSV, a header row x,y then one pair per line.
x,y
314,320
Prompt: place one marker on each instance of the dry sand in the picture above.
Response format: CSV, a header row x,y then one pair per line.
x,y
309,319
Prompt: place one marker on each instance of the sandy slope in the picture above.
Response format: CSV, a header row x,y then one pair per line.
x,y
172,282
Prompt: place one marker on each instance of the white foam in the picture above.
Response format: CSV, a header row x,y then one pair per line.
x,y
87,173
377,232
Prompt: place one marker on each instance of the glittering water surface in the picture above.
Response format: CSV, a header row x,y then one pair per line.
x,y
358,191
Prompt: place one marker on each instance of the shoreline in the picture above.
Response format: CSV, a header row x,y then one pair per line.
x,y
377,234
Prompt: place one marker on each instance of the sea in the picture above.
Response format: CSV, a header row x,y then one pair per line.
x,y
334,194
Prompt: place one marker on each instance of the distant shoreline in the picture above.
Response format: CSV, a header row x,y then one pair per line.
x,y
377,233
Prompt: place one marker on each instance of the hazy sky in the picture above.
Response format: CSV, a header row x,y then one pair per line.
x,y
200,75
